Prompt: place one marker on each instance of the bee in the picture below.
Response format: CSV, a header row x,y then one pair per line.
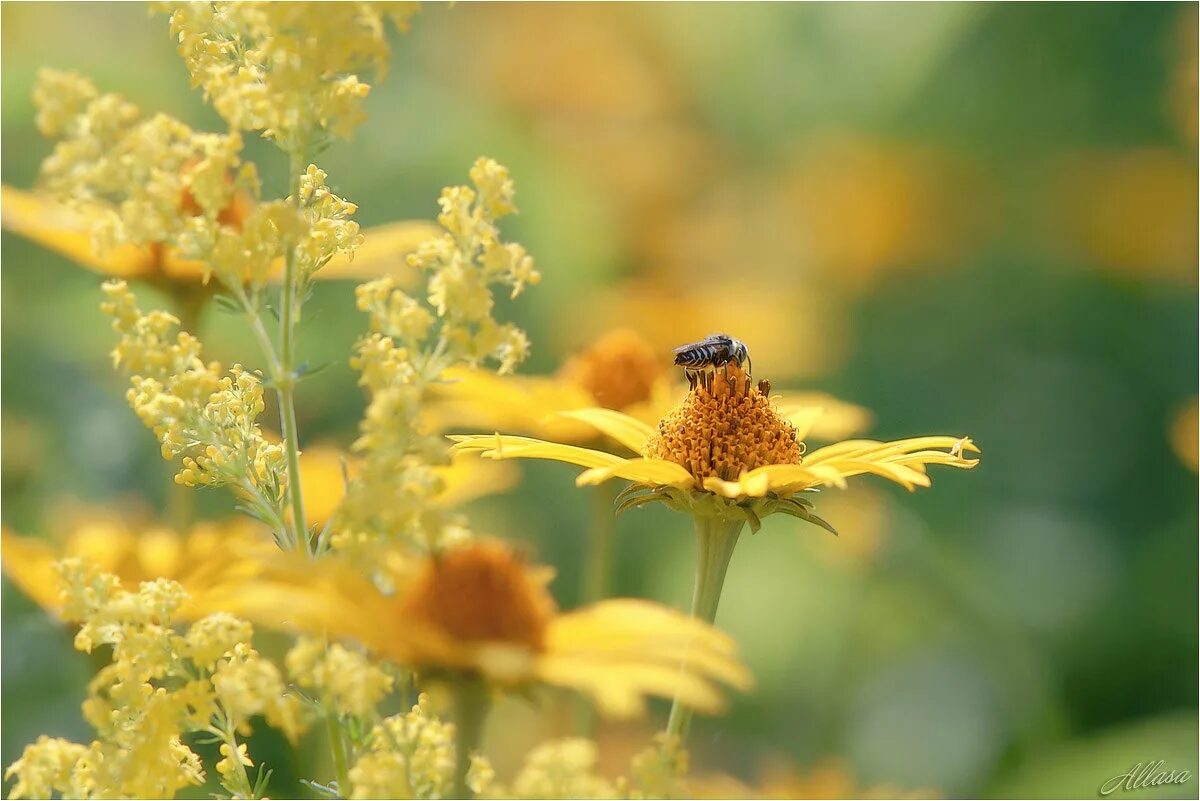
x,y
700,360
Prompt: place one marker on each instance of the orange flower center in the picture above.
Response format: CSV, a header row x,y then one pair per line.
x,y
619,369
724,427
482,592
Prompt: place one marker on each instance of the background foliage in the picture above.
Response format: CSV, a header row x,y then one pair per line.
x,y
975,219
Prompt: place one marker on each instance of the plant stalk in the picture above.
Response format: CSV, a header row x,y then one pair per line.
x,y
715,540
337,746
285,385
471,707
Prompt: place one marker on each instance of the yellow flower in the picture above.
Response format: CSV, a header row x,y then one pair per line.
x,y
478,610
68,232
619,371
201,561
727,457
324,469
829,778
1184,434
729,450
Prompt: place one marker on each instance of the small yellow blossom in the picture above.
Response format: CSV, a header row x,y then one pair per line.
x,y
562,769
44,768
233,761
410,346
411,755
289,70
346,677
159,686
205,419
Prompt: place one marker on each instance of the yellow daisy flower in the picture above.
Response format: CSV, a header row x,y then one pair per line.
x,y
324,469
68,232
202,560
477,617
727,457
728,451
621,371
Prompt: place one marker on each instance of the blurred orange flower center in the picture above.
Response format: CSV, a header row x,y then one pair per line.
x,y
482,592
725,428
619,369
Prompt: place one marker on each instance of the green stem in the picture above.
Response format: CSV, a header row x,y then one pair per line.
x,y
596,576
715,540
337,745
285,385
471,706
242,779
599,545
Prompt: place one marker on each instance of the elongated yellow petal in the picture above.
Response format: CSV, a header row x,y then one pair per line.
x,y
655,472
498,446
621,650
29,563
874,448
629,431
382,252
68,233
803,418
838,418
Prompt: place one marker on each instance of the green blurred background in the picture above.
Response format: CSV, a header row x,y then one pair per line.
x,y
972,219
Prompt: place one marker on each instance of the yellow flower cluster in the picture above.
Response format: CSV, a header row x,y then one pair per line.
x,y
351,682
152,178
159,686
199,415
410,346
564,768
412,756
289,70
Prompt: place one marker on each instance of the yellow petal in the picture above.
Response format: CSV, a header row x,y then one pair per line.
x,y
655,472
68,233
753,484
621,650
467,479
29,563
629,431
472,398
497,446
803,418
838,418
381,253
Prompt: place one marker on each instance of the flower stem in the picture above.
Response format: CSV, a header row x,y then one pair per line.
x,y
471,706
285,385
596,570
337,746
715,541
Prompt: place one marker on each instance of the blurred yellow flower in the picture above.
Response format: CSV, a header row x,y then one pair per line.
x,y
729,443
1129,212
324,469
201,560
793,324
1184,435
619,371
68,232
829,778
479,610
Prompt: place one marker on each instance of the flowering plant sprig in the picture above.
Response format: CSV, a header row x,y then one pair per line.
x,y
160,685
410,346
